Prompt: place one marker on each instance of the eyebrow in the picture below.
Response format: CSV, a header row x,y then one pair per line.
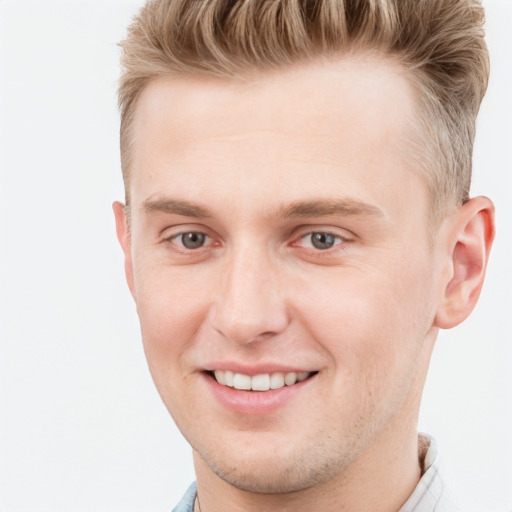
x,y
323,207
312,208
176,207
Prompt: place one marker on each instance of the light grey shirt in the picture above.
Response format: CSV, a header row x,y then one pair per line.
x,y
429,496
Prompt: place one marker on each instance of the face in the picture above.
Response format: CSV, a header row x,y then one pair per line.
x,y
282,269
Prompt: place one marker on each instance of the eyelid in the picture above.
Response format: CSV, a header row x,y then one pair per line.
x,y
334,235
169,235
304,231
178,235
179,229
345,239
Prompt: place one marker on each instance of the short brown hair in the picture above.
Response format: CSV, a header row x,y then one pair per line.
x,y
440,42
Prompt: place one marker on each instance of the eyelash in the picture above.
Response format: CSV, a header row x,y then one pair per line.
x,y
179,248
338,238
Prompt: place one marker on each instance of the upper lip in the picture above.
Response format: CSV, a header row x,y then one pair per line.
x,y
255,369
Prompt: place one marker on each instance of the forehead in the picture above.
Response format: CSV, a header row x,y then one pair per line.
x,y
349,115
345,86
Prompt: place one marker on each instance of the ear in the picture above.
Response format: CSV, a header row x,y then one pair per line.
x,y
470,236
123,235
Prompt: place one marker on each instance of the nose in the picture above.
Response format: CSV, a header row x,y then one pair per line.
x,y
250,305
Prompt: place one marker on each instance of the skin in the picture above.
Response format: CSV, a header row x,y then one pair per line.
x,y
257,167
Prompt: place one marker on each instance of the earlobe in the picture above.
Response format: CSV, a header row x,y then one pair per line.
x,y
123,235
470,239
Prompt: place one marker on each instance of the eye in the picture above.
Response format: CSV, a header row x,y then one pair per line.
x,y
321,240
190,240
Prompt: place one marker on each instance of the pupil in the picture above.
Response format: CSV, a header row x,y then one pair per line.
x,y
192,240
322,240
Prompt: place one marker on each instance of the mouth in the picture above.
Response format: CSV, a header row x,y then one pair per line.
x,y
261,382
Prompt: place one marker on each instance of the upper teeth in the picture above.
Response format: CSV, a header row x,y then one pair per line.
x,y
261,382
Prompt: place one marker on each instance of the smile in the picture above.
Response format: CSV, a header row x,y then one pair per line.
x,y
261,382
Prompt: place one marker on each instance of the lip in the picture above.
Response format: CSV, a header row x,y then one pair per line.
x,y
255,403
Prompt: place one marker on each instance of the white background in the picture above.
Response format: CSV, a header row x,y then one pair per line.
x,y
81,425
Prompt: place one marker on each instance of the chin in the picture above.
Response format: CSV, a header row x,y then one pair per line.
x,y
274,471
269,480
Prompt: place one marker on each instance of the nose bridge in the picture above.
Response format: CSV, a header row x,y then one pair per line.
x,y
250,303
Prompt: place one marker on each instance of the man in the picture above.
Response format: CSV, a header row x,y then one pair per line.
x,y
297,229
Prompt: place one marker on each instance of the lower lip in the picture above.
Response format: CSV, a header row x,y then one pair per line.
x,y
255,402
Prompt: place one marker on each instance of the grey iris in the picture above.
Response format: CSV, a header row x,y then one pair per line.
x,y
322,240
192,240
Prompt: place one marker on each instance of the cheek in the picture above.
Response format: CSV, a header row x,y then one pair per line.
x,y
171,304
370,320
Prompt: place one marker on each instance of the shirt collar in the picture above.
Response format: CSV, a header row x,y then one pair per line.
x,y
430,494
